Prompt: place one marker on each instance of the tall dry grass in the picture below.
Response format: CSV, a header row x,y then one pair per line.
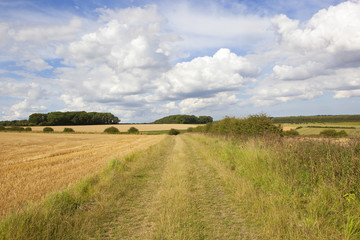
x,y
291,189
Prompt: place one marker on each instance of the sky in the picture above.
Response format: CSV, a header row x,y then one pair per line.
x,y
142,60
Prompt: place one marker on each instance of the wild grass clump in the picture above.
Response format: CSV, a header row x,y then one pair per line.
x,y
133,130
69,130
333,133
48,129
173,132
111,130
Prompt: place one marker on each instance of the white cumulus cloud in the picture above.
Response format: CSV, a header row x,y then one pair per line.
x,y
206,76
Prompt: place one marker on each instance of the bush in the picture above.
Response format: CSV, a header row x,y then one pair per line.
x,y
15,129
258,124
28,129
333,133
48,129
190,129
2,128
68,130
291,132
174,132
111,130
133,130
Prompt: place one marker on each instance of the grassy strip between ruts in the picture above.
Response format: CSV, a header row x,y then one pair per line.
x,y
82,211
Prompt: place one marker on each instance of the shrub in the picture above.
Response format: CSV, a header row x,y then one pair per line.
x,y
111,130
342,133
190,129
28,129
2,128
333,133
173,132
68,130
48,129
258,124
133,130
15,129
291,132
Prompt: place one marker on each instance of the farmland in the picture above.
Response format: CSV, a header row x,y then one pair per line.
x,y
201,187
121,127
233,179
351,128
32,165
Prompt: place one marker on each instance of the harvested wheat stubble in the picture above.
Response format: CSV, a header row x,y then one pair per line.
x,y
121,127
32,165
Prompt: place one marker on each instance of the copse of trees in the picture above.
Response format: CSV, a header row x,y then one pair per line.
x,y
72,118
257,124
317,119
184,119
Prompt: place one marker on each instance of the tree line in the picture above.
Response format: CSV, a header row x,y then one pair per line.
x,y
317,119
184,119
72,118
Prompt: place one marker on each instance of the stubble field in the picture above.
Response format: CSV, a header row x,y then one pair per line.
x,y
121,127
31,165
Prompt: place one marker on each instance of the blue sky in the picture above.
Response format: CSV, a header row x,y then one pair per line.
x,y
143,60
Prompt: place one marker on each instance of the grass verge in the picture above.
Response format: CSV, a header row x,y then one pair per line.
x,y
290,189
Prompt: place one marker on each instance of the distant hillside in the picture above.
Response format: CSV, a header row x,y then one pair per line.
x,y
184,119
318,119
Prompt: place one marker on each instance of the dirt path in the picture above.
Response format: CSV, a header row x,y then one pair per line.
x,y
176,195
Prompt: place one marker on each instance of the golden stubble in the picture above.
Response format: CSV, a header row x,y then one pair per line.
x,y
121,127
33,164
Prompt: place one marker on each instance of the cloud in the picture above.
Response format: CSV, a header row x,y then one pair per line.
x,y
206,76
320,55
32,95
218,102
210,25
117,63
35,65
44,34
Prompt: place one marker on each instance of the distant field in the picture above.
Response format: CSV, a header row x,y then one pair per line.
x,y
32,165
316,128
121,127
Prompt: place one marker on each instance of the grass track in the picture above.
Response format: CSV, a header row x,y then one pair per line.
x,y
183,198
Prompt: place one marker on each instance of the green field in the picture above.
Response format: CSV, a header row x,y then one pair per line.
x,y
316,128
193,186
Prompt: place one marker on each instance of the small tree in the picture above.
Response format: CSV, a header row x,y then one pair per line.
x,y
174,132
48,129
68,130
133,130
111,130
